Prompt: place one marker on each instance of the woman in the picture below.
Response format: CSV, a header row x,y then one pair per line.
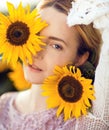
x,y
64,45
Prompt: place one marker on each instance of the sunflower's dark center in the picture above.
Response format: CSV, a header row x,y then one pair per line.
x,y
70,89
18,33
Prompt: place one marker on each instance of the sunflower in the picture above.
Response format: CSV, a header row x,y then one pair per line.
x,y
67,90
18,34
17,76
4,66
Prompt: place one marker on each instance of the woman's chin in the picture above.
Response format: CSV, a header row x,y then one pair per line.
x,y
32,81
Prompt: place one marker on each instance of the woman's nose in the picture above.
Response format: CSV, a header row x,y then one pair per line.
x,y
40,54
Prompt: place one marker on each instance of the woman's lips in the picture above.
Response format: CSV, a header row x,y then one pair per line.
x,y
35,68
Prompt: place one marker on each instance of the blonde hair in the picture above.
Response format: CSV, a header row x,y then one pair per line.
x,y
89,37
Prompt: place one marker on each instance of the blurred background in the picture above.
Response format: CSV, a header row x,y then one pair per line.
x,y
6,84
12,78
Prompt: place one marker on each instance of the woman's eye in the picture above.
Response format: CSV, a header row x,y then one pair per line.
x,y
56,46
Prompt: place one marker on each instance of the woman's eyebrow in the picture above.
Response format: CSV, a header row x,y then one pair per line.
x,y
58,39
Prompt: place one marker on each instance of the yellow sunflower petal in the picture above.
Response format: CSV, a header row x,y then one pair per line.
x,y
10,8
20,12
52,104
84,109
48,93
15,53
28,54
22,54
6,55
4,66
78,73
4,20
12,56
67,111
60,109
77,110
16,74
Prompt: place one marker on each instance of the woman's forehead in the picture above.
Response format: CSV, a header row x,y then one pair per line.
x,y
57,25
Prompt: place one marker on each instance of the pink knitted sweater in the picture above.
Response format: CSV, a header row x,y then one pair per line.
x,y
11,119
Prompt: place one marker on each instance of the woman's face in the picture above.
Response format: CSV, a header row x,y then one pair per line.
x,y
61,46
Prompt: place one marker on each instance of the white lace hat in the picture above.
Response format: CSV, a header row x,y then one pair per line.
x,y
96,11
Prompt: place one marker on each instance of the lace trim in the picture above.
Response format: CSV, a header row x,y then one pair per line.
x,y
86,11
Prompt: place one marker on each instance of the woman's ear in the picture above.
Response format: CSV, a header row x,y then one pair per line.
x,y
82,59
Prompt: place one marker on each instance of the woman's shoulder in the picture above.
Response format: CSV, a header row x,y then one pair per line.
x,y
6,95
5,99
